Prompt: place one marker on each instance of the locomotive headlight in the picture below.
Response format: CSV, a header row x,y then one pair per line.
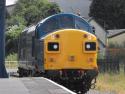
x,y
90,46
53,46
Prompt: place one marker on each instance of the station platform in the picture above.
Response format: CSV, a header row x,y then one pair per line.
x,y
32,85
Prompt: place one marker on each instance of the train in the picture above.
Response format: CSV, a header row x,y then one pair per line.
x,y
61,47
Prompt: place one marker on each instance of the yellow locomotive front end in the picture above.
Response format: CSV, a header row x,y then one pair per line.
x,y
70,49
70,57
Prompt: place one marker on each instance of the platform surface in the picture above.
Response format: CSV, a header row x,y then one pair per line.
x,y
31,86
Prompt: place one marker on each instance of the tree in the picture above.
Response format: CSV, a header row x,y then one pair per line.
x,y
33,11
12,36
109,13
15,20
26,12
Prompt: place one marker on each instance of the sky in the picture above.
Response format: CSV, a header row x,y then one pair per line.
x,y
10,2
68,5
73,6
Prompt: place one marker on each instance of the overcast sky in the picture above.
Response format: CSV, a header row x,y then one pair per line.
x,y
68,5
72,6
10,2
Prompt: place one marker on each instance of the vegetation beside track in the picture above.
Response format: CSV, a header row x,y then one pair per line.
x,y
11,61
111,82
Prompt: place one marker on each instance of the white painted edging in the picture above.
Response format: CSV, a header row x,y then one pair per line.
x,y
60,86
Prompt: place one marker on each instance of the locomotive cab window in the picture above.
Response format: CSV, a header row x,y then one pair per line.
x,y
53,46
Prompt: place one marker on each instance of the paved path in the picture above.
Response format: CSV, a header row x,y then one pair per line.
x,y
34,86
31,86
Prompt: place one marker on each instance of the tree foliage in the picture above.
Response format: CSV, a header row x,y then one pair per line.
x,y
109,13
26,12
12,36
32,11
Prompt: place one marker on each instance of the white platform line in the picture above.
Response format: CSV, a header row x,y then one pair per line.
x,y
59,86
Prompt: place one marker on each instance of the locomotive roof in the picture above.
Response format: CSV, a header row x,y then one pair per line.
x,y
61,14
58,21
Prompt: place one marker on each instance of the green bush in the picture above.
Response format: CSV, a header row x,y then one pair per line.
x,y
12,36
11,57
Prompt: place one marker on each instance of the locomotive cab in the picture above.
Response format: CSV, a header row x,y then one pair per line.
x,y
62,47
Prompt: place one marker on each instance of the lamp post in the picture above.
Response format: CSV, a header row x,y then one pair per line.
x,y
3,73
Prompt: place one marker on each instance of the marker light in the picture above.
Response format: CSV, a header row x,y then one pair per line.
x,y
85,36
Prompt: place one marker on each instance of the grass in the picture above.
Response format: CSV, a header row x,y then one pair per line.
x,y
111,82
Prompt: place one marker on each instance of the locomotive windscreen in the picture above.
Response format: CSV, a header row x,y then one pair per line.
x,y
62,21
67,22
50,25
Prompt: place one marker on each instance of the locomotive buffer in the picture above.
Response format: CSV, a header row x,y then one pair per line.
x,y
37,85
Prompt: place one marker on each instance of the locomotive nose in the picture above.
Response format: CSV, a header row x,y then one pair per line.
x,y
71,49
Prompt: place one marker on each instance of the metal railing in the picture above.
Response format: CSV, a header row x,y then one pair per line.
x,y
111,66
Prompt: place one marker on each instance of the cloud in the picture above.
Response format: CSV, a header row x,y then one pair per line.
x,y
10,2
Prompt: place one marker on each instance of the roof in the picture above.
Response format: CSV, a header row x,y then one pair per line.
x,y
91,19
11,2
103,44
116,32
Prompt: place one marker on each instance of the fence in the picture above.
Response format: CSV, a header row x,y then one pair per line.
x,y
11,67
11,64
110,65
113,62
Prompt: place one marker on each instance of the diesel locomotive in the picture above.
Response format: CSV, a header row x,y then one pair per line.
x,y
62,47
